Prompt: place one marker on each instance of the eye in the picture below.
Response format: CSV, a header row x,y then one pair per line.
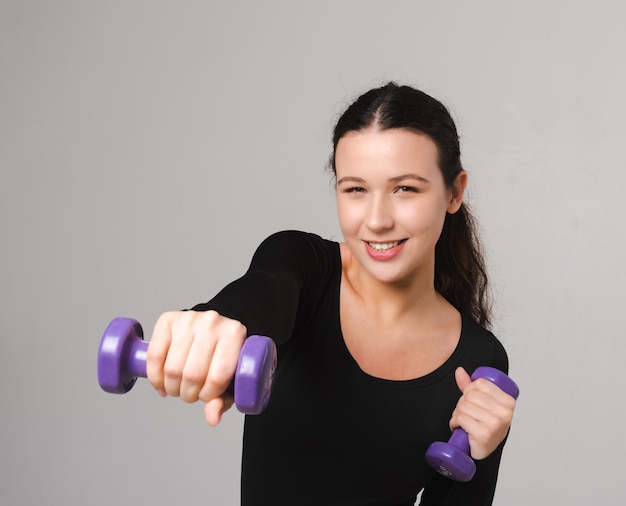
x,y
354,189
406,189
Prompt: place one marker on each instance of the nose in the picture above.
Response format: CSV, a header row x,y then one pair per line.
x,y
380,215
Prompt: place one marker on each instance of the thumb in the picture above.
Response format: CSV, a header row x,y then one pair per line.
x,y
463,379
215,408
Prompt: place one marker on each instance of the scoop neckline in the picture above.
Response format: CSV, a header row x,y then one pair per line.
x,y
437,374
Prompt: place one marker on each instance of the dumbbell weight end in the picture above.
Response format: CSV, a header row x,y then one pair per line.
x,y
121,356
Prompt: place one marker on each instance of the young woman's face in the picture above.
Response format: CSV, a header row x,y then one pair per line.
x,y
392,200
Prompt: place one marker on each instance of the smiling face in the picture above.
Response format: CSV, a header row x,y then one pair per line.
x,y
392,201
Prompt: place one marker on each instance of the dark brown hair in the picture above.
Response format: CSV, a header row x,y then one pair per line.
x,y
460,271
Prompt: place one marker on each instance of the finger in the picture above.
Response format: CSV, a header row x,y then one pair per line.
x,y
488,396
215,408
196,367
495,392
182,339
485,421
463,379
480,401
482,405
484,433
223,362
157,352
475,406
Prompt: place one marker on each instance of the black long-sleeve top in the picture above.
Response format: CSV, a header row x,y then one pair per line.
x,y
332,434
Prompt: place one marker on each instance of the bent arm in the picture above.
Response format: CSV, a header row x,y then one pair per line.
x,y
266,298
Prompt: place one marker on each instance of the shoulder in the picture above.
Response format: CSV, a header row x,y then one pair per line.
x,y
298,237
484,348
295,243
293,237
295,248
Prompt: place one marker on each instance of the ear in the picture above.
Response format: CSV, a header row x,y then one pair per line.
x,y
457,191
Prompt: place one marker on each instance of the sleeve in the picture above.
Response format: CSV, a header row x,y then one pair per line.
x,y
266,298
480,491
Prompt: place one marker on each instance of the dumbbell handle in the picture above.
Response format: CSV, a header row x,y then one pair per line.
x,y
460,440
122,359
136,362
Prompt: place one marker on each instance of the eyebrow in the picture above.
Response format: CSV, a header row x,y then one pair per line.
x,y
396,179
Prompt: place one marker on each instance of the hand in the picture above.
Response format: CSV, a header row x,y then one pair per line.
x,y
484,411
193,355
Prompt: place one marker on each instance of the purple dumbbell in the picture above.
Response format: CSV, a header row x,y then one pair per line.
x,y
452,459
122,359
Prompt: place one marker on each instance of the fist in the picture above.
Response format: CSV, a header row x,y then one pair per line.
x,y
484,411
193,355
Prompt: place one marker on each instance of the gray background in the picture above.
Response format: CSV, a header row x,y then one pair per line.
x,y
146,148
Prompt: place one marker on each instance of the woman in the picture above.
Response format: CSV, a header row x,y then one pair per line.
x,y
375,335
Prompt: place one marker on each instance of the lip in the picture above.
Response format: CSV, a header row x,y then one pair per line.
x,y
384,255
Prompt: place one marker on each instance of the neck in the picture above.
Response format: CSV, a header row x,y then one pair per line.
x,y
416,295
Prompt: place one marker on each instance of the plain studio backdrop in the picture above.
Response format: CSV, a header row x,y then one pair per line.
x,y
147,147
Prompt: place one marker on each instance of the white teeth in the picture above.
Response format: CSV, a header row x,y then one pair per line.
x,y
382,246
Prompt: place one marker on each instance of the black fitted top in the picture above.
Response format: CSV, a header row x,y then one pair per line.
x,y
332,434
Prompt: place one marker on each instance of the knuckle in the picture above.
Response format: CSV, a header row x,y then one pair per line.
x,y
235,326
227,325
495,426
164,318
208,317
201,323
505,415
510,403
189,396
219,376
180,321
172,372
153,355
483,385
194,376
481,433
470,397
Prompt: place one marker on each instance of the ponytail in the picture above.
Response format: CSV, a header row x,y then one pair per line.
x,y
460,269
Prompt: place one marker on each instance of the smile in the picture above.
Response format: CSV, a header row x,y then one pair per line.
x,y
384,246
